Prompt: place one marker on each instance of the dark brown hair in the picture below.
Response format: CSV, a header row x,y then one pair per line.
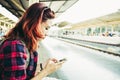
x,y
29,27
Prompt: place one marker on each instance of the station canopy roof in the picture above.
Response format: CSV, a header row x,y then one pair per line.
x,y
18,7
5,19
110,19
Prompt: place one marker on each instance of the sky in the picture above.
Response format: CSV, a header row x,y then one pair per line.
x,y
88,9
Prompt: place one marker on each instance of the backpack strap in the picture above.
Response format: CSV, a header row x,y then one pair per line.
x,y
2,40
28,58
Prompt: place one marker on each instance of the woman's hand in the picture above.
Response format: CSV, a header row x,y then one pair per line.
x,y
52,65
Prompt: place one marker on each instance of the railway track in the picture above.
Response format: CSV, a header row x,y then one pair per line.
x,y
113,49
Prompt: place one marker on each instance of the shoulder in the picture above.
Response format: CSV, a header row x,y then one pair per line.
x,y
12,42
13,45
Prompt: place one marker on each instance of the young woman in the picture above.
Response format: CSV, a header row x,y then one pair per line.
x,y
22,39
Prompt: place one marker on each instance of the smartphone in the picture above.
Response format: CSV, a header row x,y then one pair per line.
x,y
64,59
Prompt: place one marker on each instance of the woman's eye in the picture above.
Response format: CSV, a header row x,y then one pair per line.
x,y
46,28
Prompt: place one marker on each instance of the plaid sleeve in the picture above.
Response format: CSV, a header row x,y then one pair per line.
x,y
32,65
14,61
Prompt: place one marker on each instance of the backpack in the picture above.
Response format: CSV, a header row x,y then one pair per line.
x,y
28,54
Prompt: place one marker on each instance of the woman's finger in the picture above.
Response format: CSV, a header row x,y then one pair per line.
x,y
60,63
47,62
54,60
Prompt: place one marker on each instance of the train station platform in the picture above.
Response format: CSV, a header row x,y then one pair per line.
x,y
91,47
82,63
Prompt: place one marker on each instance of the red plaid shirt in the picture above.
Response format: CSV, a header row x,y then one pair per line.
x,y
13,59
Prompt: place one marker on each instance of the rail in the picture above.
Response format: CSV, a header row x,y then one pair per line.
x,y
103,47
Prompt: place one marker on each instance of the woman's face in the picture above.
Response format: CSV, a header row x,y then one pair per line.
x,y
45,26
